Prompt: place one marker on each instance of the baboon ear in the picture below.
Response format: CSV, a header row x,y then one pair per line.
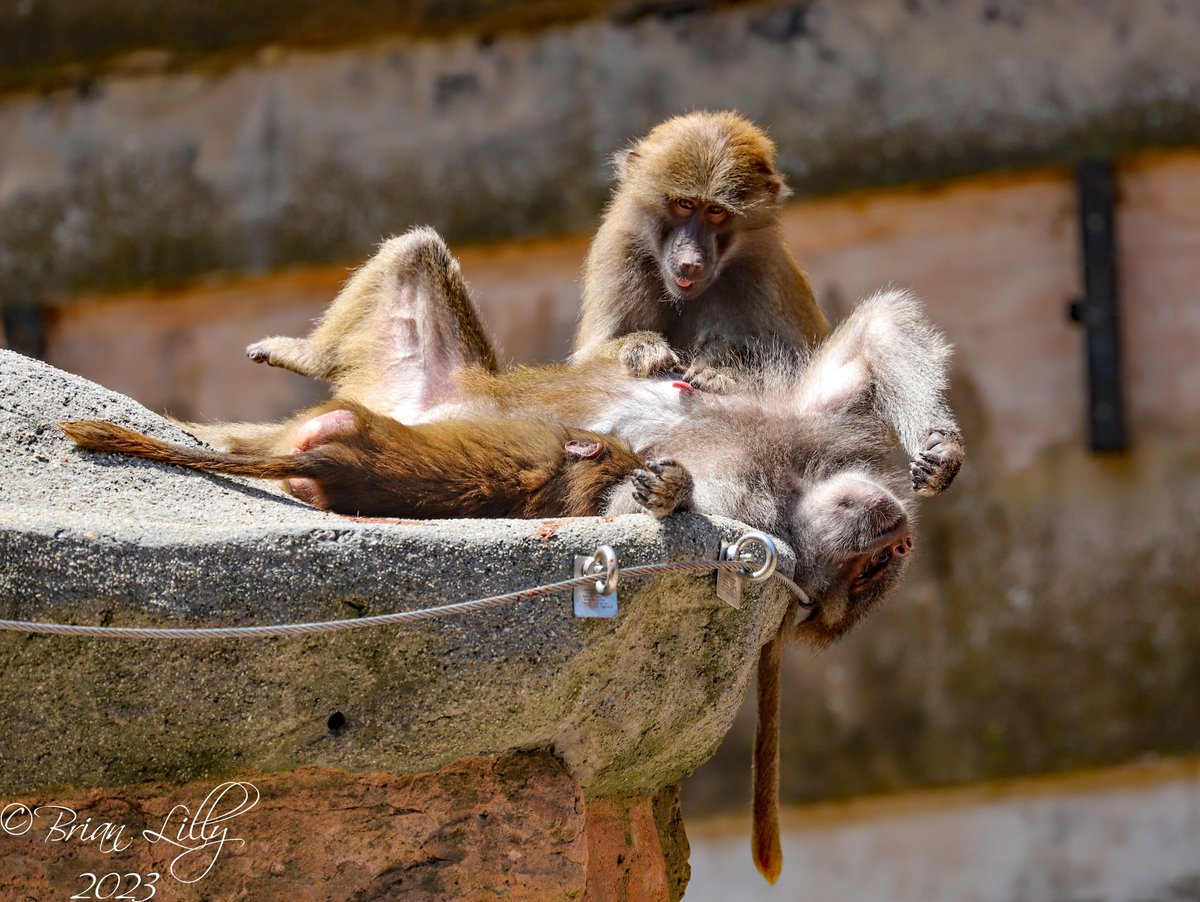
x,y
584,450
777,187
624,161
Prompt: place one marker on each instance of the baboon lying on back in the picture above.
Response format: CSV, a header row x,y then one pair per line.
x,y
422,425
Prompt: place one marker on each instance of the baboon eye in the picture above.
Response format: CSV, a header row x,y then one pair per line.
x,y
682,207
716,214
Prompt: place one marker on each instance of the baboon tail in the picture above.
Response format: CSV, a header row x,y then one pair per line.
x,y
764,842
97,435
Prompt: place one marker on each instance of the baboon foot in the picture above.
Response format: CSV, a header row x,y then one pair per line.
x,y
937,465
662,486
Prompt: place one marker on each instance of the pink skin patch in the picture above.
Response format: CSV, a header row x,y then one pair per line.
x,y
686,387
585,450
318,431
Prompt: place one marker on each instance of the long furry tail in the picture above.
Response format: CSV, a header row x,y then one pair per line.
x,y
764,842
97,435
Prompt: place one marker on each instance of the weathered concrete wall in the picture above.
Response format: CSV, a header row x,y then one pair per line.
x,y
1116,835
45,43
1053,622
513,826
309,155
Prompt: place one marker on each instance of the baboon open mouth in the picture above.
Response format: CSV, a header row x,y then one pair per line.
x,y
886,552
680,286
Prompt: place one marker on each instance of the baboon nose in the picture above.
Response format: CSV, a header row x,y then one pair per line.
x,y
691,270
903,548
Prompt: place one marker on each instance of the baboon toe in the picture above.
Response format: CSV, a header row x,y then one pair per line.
x,y
259,352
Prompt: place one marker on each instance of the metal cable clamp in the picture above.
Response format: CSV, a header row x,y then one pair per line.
x,y
598,599
753,548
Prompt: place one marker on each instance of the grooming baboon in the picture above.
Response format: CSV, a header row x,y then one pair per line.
x,y
802,454
691,257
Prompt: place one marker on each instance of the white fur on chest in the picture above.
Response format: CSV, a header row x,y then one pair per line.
x,y
644,414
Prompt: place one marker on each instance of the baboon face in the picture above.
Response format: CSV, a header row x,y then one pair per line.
x,y
697,239
853,542
697,180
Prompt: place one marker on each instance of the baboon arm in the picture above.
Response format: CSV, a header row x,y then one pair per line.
x,y
642,353
886,357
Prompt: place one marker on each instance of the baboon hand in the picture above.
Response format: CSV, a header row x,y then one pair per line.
x,y
662,487
715,379
649,357
938,463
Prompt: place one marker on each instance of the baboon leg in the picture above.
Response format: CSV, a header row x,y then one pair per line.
x,y
296,354
396,334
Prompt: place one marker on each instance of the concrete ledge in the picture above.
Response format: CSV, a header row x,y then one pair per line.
x,y
629,705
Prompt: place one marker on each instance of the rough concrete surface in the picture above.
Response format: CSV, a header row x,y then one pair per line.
x,y
630,704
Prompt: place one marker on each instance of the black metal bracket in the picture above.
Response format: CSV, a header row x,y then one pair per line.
x,y
1097,311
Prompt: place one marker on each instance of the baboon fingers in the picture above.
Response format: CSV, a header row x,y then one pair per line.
x,y
651,357
662,486
939,462
704,377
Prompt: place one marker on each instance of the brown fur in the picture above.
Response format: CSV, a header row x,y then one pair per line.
x,y
416,345
764,839
759,298
479,468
